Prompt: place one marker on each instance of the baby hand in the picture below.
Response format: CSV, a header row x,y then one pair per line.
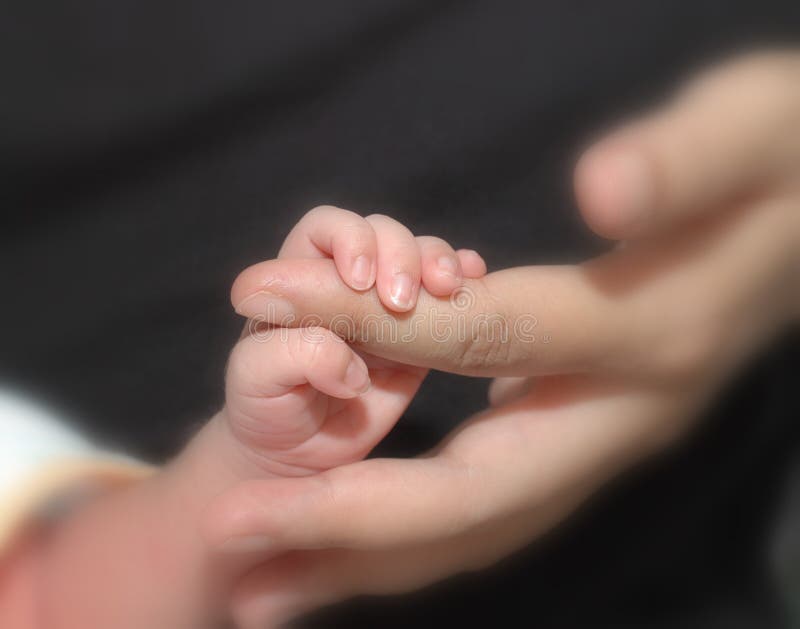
x,y
300,400
378,250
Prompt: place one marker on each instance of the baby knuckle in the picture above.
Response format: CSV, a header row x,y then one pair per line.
x,y
322,348
406,257
319,209
355,235
434,242
302,349
378,217
242,366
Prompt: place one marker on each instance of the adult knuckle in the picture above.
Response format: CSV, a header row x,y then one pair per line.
x,y
366,323
485,336
330,500
469,508
485,347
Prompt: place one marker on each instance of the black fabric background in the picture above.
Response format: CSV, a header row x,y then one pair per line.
x,y
150,151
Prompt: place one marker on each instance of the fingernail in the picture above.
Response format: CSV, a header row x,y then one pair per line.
x,y
357,375
401,293
271,308
247,544
448,266
361,273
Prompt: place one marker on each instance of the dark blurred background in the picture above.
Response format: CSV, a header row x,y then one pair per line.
x,y
150,151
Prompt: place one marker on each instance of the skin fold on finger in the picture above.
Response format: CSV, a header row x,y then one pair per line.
x,y
399,265
348,238
441,267
730,134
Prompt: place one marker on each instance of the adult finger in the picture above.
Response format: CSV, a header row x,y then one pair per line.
x,y
730,132
565,436
302,581
522,321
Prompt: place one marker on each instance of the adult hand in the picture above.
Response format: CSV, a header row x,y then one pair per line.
x,y
731,142
386,526
715,277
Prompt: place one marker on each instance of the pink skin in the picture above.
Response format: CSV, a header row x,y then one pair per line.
x,y
547,449
18,573
296,404
298,401
377,250
730,134
712,181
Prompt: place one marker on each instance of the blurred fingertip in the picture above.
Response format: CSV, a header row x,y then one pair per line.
x,y
614,189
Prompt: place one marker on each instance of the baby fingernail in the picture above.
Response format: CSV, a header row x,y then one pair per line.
x,y
357,375
362,272
267,307
448,266
401,292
